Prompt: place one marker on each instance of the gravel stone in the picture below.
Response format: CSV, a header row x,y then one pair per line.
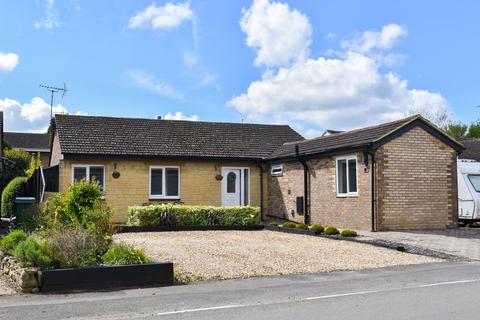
x,y
207,255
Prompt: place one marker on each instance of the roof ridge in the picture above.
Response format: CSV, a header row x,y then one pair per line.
x,y
171,120
407,119
19,132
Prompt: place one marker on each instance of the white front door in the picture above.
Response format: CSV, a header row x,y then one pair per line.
x,y
231,187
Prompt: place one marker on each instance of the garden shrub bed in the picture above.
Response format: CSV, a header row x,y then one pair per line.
x,y
70,247
125,228
317,231
172,215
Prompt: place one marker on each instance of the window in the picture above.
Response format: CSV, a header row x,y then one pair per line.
x,y
475,180
89,173
164,182
231,182
347,176
277,170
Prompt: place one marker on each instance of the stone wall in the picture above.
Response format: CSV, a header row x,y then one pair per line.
x,y
25,280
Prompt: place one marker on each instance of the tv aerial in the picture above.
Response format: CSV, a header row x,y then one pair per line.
x,y
54,90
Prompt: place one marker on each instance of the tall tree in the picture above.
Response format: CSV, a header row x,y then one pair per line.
x,y
440,117
457,130
474,130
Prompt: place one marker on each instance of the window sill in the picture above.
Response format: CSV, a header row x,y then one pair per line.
x,y
347,195
163,198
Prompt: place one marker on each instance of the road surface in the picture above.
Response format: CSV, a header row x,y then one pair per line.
x,y
433,291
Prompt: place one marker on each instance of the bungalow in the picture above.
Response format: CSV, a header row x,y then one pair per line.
x,y
143,161
393,176
398,175
34,143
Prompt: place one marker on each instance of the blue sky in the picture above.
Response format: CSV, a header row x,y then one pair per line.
x,y
312,64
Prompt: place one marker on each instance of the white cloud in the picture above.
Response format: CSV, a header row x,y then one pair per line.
x,y
144,80
168,16
51,17
279,35
28,117
330,36
371,39
180,116
8,61
341,92
190,59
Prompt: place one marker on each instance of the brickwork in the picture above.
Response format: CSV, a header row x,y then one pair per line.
x,y
326,207
417,186
198,185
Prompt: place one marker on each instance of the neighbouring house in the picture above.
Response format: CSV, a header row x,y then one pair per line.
x,y
143,161
397,175
34,143
472,149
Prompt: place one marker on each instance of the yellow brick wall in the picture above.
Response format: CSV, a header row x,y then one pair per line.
x,y
198,185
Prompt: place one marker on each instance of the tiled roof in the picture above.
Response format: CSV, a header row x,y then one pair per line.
x,y
28,141
91,135
472,149
347,139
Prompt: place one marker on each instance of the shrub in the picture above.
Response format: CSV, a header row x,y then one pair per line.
x,y
273,223
290,225
81,207
331,231
17,163
122,254
348,233
317,228
31,253
173,214
11,191
11,240
71,247
302,226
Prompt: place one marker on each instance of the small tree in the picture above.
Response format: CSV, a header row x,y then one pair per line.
x,y
474,130
457,130
17,163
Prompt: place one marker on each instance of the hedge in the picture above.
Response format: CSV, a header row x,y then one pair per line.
x,y
183,215
11,191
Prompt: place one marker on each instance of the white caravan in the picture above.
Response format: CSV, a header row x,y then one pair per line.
x,y
468,175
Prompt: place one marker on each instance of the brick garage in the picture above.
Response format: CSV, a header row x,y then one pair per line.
x,y
414,180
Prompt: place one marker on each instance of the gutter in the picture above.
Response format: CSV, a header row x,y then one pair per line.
x,y
306,211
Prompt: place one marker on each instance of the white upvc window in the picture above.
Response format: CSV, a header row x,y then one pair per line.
x,y
164,182
93,172
277,170
346,176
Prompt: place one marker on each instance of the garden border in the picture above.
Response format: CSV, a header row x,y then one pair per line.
x,y
125,229
107,277
374,242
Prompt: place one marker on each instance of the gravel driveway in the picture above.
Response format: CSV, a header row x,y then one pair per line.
x,y
205,255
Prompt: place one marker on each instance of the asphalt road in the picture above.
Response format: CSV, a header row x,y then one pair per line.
x,y
434,291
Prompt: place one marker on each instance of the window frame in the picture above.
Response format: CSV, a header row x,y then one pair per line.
x,y
347,174
164,183
276,166
87,177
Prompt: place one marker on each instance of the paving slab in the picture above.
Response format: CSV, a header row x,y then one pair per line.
x,y
463,242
